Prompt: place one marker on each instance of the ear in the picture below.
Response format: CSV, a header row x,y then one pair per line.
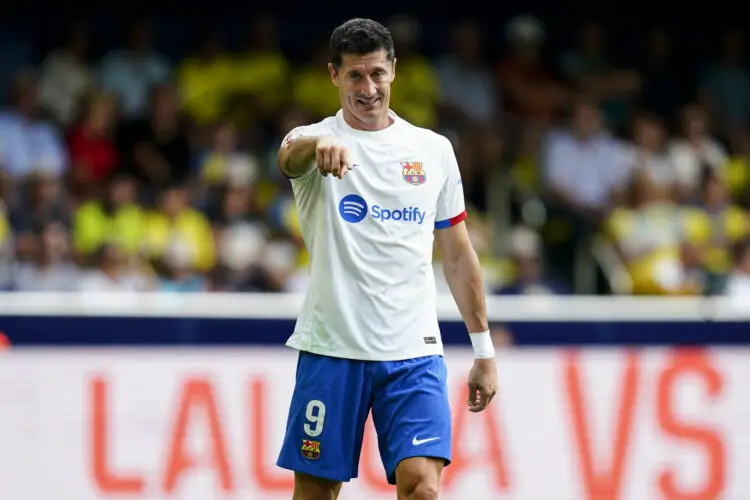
x,y
393,70
334,74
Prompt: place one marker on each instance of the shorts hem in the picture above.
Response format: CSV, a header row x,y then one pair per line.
x,y
391,474
315,473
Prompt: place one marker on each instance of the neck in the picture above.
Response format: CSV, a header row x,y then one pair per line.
x,y
381,123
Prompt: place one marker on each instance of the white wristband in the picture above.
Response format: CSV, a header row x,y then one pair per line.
x,y
482,344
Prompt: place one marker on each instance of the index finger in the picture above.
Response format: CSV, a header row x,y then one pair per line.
x,y
345,159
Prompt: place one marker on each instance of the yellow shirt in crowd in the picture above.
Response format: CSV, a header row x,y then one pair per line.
x,y
736,173
4,226
314,93
190,226
651,240
265,74
93,227
415,92
716,233
205,87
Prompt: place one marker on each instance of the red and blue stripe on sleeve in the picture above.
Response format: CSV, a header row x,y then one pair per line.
x,y
446,223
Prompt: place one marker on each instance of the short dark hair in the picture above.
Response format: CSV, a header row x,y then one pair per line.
x,y
360,36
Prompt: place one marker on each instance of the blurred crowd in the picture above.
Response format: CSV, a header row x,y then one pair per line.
x,y
583,173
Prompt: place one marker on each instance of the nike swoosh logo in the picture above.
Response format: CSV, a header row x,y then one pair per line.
x,y
417,442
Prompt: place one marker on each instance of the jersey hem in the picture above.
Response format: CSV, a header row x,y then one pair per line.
x,y
362,356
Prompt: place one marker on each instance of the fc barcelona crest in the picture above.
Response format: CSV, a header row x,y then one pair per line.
x,y
310,449
413,173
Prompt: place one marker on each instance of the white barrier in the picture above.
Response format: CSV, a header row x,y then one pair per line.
x,y
206,424
223,305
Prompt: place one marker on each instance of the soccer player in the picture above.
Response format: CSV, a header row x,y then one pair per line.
x,y
373,192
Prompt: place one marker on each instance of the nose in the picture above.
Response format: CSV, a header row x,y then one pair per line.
x,y
368,87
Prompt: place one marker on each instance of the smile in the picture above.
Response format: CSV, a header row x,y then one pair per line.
x,y
368,102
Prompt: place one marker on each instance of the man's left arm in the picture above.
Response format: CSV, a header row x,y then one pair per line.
x,y
464,276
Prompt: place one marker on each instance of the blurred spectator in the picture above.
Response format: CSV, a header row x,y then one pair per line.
x,y
648,235
116,219
27,142
278,261
470,107
177,270
563,181
648,153
174,222
584,163
260,74
714,227
242,250
225,162
205,78
736,170
528,272
66,75
469,97
725,86
233,205
16,52
661,93
583,167
43,202
112,274
530,91
156,150
738,284
91,145
416,94
130,73
312,90
694,151
7,247
588,67
49,269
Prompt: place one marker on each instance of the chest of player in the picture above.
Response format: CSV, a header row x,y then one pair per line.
x,y
391,179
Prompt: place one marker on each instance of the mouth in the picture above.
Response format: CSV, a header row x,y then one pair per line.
x,y
368,103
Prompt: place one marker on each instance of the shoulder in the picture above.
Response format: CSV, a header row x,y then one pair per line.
x,y
426,138
323,127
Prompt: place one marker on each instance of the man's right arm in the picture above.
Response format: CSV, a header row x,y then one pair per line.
x,y
297,156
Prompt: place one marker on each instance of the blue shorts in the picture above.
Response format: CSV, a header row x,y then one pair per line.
x,y
333,397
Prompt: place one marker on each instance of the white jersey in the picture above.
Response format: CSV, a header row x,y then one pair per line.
x,y
370,236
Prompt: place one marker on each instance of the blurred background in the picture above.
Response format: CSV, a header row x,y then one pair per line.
x,y
139,154
606,167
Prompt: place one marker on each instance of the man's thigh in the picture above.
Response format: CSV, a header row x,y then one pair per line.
x,y
308,487
326,418
411,411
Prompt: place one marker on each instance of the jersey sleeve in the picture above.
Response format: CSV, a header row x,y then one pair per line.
x,y
451,208
314,130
